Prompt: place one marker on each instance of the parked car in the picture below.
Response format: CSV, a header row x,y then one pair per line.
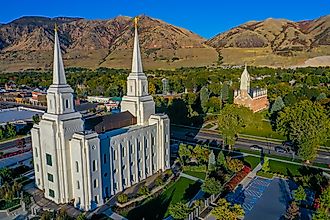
x,y
280,150
256,147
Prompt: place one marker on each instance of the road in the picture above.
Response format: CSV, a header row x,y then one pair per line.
x,y
211,138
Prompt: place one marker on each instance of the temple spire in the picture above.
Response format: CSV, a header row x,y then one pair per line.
x,y
58,67
136,62
245,80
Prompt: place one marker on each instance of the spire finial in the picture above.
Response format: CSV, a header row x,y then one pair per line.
x,y
136,19
136,62
55,27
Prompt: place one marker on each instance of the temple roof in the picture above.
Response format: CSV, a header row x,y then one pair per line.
x,y
105,123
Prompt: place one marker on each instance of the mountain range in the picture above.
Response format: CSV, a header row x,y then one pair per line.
x,y
27,42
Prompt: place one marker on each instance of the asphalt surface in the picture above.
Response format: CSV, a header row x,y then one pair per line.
x,y
213,139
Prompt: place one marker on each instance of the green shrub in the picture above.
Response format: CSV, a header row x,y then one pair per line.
x,y
122,198
264,174
159,181
143,191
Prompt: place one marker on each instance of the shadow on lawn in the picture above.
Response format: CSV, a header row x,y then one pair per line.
x,y
191,191
154,209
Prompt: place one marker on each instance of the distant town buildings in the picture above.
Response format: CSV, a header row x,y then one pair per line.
x,y
86,160
255,99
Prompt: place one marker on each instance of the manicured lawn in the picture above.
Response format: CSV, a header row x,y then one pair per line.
x,y
157,208
262,129
286,169
263,174
252,161
200,175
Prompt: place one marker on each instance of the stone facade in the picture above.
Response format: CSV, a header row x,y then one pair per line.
x,y
73,164
255,99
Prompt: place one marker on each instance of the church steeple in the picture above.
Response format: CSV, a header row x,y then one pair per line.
x,y
245,81
59,94
58,67
136,61
138,101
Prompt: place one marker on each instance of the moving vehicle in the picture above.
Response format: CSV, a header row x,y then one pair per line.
x,y
280,150
256,147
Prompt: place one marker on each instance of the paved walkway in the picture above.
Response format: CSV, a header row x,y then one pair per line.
x,y
190,177
113,215
245,182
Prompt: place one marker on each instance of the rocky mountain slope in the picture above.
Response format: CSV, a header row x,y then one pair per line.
x,y
27,43
277,37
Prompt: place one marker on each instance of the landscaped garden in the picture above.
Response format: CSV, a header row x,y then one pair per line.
x,y
183,190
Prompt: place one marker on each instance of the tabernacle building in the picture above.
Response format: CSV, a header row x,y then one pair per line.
x,y
255,99
85,160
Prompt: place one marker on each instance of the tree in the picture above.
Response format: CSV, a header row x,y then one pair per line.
x,y
234,165
212,162
232,120
184,153
292,213
204,97
201,154
10,130
122,198
152,88
62,215
6,174
179,210
212,186
307,125
36,119
221,161
2,133
299,194
323,211
277,105
265,165
225,211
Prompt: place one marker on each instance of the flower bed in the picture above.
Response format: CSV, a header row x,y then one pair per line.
x,y
231,185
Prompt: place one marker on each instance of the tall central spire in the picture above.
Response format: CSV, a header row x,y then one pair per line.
x,y
58,67
245,80
136,62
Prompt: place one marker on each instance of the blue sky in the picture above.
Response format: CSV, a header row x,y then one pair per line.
x,y
206,18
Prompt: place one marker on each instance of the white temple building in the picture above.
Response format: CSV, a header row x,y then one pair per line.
x,y
85,160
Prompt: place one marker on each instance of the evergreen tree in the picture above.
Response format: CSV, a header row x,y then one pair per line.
x,y
221,160
299,194
277,105
212,162
265,165
204,97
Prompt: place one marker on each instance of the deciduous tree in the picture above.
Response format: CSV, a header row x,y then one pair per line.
x,y
212,186
307,124
179,210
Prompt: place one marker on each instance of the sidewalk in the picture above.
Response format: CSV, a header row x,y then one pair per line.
x,y
190,177
245,182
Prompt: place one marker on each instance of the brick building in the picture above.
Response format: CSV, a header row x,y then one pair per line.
x,y
255,99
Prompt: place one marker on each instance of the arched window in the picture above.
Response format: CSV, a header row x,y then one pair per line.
x,y
66,103
77,167
94,165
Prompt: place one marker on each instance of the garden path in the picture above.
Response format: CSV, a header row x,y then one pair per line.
x,y
190,177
